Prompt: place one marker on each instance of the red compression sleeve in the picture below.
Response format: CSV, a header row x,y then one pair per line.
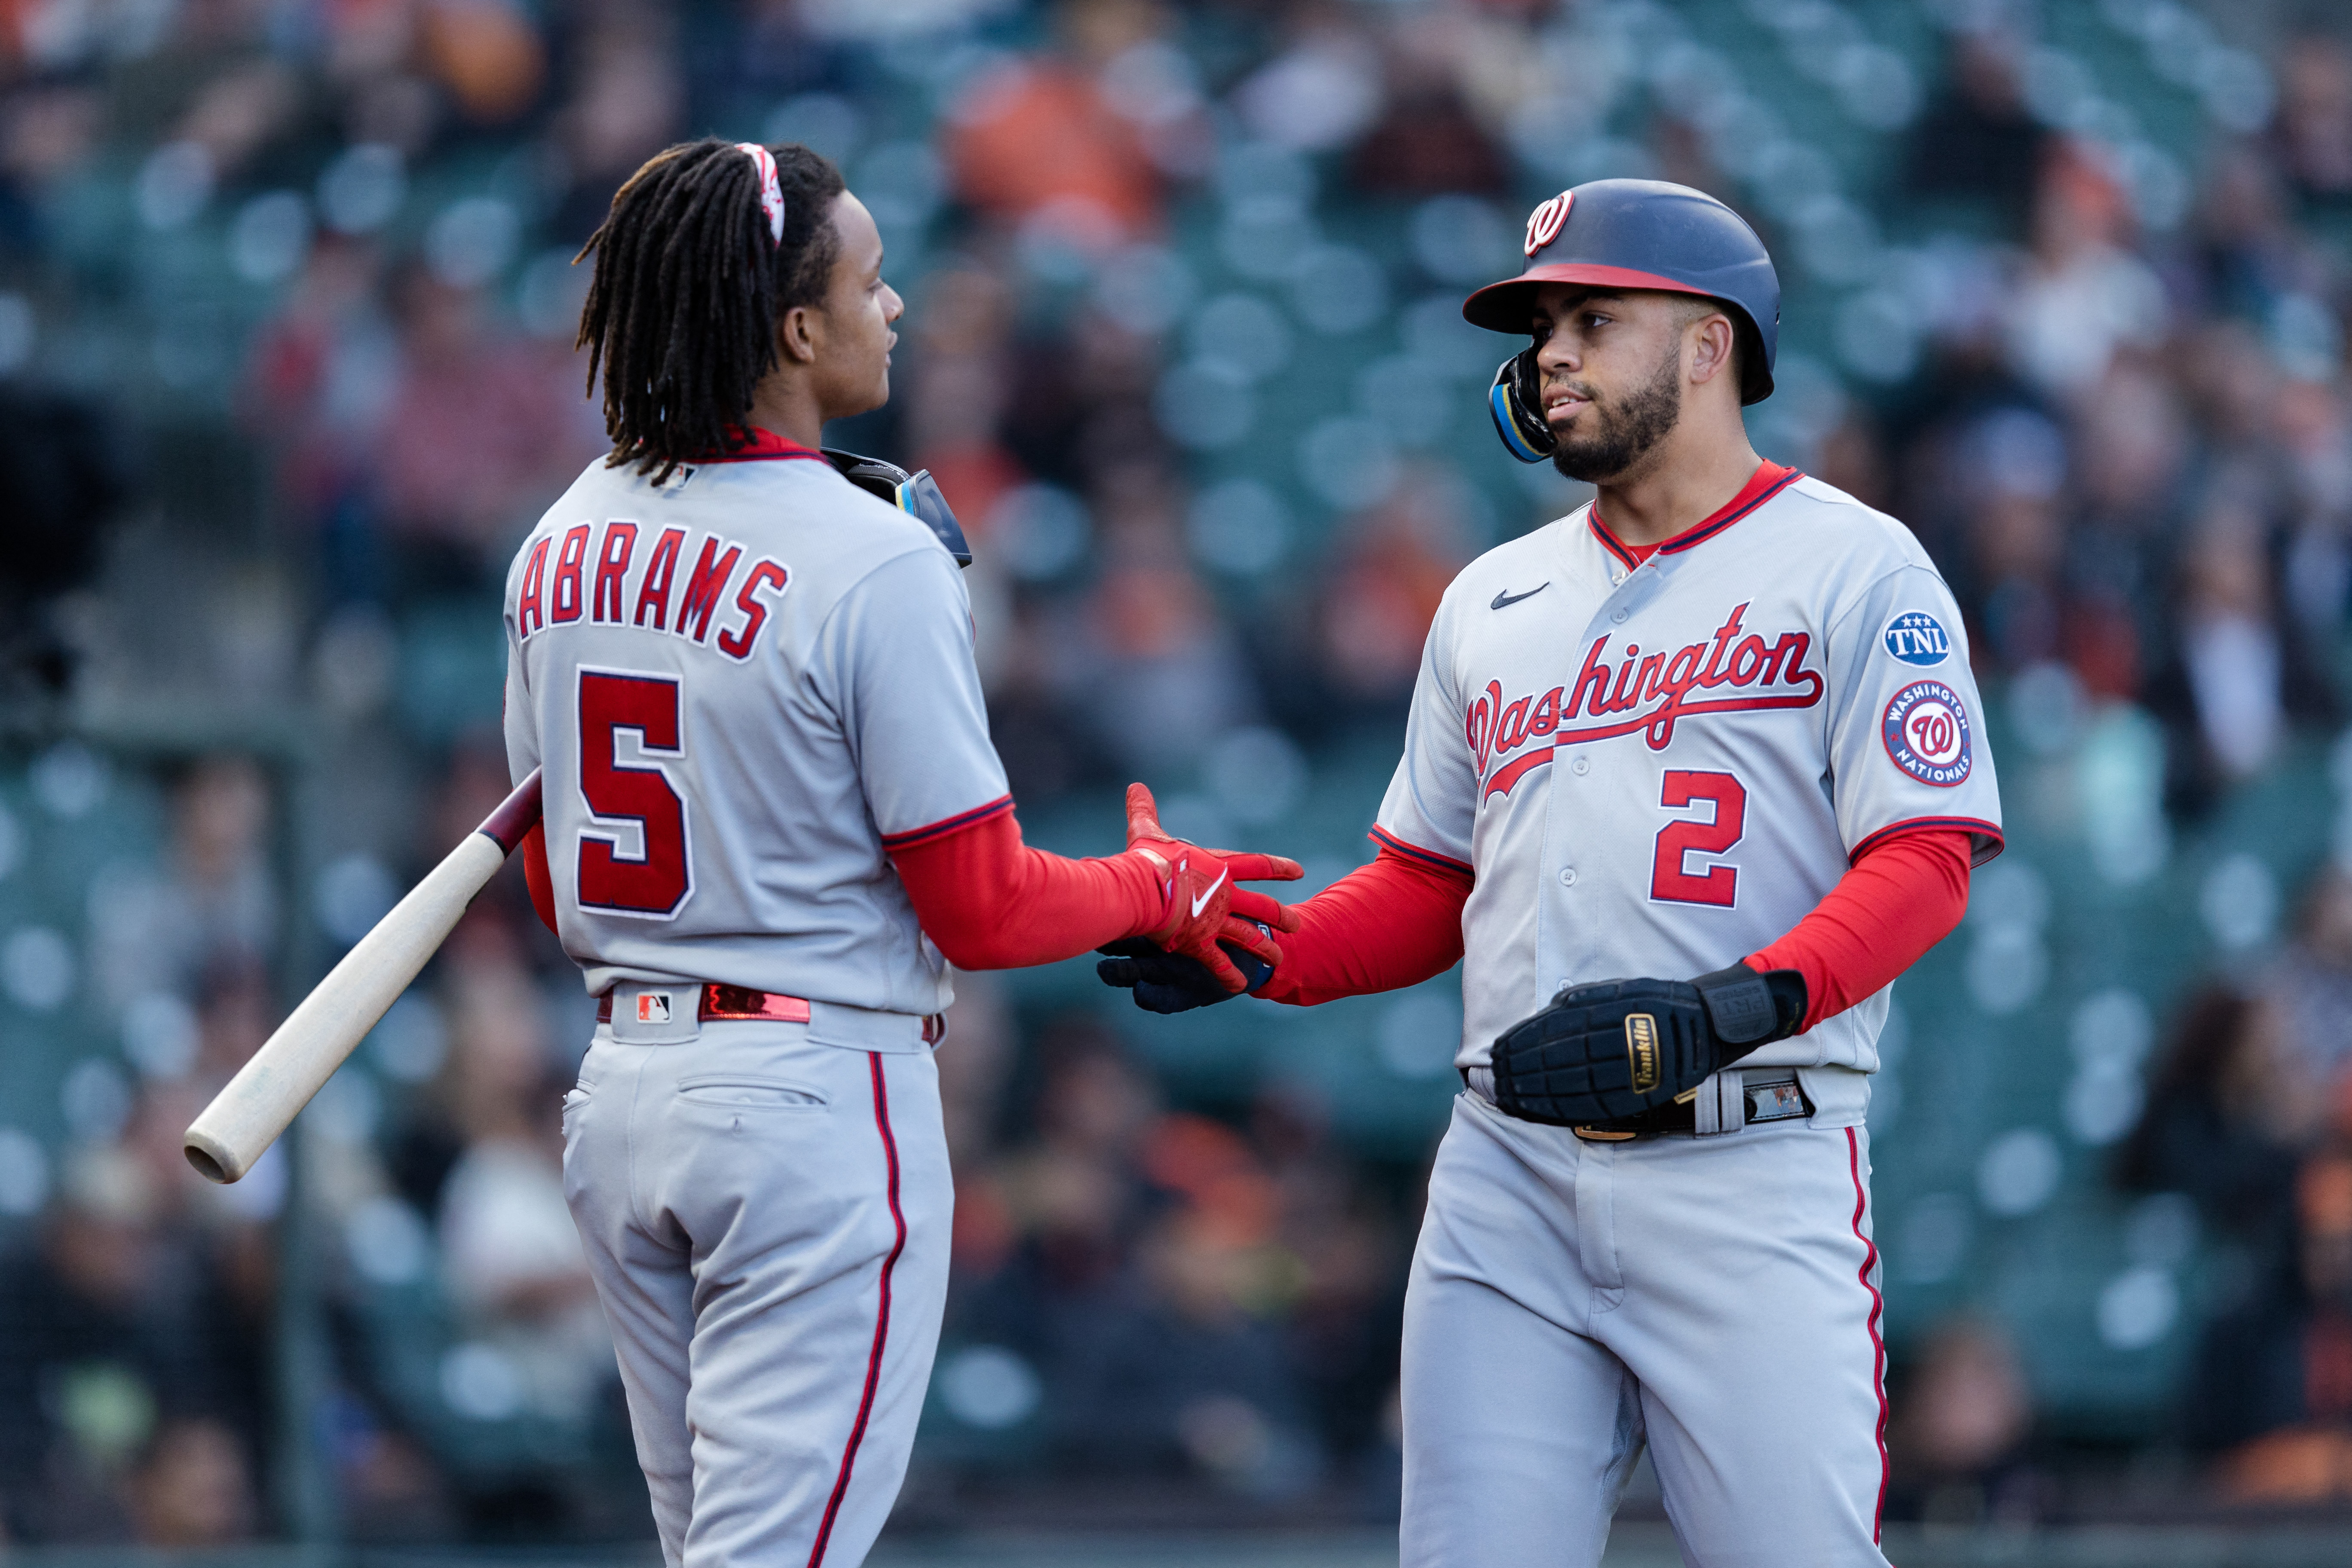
x,y
1394,922
535,875
991,901
1901,898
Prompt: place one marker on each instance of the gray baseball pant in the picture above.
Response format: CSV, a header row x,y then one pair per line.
x,y
766,1219
1717,1299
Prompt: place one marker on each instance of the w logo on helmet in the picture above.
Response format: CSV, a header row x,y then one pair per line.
x,y
1544,224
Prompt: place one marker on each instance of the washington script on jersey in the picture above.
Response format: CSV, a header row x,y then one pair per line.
x,y
557,597
1652,690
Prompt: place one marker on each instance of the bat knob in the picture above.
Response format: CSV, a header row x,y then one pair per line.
x,y
212,1162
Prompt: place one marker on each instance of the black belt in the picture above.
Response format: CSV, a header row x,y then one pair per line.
x,y
1675,1116
1779,1098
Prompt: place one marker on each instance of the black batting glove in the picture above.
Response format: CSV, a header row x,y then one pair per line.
x,y
1618,1049
1166,981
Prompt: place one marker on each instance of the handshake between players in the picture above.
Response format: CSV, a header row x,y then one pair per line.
x,y
1711,730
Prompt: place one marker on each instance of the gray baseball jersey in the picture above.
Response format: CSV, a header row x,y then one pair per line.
x,y
745,686
1655,769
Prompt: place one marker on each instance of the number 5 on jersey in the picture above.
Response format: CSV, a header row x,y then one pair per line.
x,y
655,882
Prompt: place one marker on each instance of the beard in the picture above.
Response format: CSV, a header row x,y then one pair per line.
x,y
1609,442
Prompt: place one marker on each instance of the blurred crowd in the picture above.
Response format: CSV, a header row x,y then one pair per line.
x,y
2243,1140
1144,1293
2249,1119
2133,460
286,314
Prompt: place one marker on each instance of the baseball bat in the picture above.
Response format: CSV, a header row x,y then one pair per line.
x,y
246,1118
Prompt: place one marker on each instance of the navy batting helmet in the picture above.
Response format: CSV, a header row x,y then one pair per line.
x,y
1645,234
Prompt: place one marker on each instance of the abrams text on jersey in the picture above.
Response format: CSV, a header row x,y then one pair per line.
x,y
554,598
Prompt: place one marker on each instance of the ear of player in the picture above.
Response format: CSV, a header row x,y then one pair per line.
x,y
1616,1050
1203,907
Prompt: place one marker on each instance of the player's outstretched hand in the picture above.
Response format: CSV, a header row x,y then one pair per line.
x,y
1616,1048
1199,886
1166,981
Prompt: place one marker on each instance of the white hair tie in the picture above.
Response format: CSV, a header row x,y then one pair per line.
x,y
772,193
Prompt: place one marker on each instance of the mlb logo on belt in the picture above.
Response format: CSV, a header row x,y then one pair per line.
x,y
653,1007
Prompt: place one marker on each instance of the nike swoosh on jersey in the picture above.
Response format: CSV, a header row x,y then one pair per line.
x,y
1504,601
1202,902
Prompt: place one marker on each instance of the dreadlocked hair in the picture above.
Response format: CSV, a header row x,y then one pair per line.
x,y
681,312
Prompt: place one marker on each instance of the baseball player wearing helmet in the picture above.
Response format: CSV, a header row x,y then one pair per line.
x,y
1691,774
773,818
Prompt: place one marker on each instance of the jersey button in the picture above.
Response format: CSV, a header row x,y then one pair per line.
x,y
1582,766
1568,876
1617,617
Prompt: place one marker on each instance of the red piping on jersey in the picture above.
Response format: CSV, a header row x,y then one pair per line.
x,y
1768,480
947,825
765,446
1901,899
1877,1345
1609,540
881,1317
1383,837
1783,478
1970,824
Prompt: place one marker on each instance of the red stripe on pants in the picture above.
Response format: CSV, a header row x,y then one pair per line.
x,y
1877,1345
882,1319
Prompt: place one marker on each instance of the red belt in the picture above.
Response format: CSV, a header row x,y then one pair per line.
x,y
737,1004
725,1002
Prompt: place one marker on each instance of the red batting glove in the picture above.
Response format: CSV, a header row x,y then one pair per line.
x,y
1202,902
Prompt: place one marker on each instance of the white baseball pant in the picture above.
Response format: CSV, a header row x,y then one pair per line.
x,y
767,1222
1715,1298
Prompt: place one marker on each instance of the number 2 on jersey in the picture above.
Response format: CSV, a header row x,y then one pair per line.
x,y
1670,881
657,882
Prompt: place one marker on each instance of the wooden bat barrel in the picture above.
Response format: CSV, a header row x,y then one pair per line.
x,y
247,1116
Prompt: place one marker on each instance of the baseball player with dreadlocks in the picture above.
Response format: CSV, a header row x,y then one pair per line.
x,y
773,819
1691,775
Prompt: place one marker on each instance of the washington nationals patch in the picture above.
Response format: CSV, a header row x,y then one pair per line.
x,y
1927,732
